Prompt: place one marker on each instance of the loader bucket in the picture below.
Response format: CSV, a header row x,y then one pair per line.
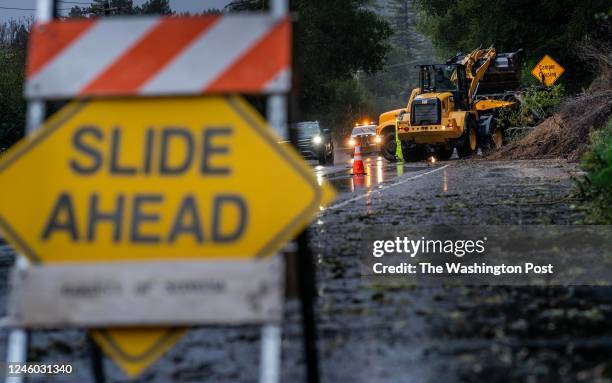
x,y
502,76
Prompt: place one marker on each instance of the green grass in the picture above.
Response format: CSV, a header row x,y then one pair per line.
x,y
596,187
535,104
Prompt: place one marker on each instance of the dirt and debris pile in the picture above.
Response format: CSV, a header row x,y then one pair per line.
x,y
566,133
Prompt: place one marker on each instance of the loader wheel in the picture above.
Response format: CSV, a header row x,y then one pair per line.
x,y
330,159
496,140
388,147
322,159
415,153
444,154
470,140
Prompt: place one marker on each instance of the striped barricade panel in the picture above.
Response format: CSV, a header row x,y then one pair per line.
x,y
147,56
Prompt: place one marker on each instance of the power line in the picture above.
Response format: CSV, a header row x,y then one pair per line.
x,y
73,2
18,9
28,9
59,9
402,64
59,1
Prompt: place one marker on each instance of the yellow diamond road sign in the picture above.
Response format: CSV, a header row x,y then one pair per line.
x,y
116,180
135,349
154,179
547,70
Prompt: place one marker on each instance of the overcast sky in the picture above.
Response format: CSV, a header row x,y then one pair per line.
x,y
177,5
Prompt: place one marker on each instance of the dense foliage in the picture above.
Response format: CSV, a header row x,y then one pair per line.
x,y
121,7
553,27
334,41
391,87
597,184
13,40
533,106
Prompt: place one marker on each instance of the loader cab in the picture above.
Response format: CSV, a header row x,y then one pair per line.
x,y
439,78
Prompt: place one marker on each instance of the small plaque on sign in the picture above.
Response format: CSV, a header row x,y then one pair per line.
x,y
148,294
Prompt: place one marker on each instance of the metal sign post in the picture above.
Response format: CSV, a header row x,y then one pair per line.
x,y
303,266
17,345
307,287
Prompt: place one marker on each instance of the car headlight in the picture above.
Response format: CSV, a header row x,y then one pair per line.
x,y
378,139
352,142
317,140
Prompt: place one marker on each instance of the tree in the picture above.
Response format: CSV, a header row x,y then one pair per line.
x,y
333,41
122,7
539,27
399,16
13,41
391,87
78,12
157,7
104,7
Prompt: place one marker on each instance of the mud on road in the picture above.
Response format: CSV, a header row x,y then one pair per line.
x,y
397,334
477,334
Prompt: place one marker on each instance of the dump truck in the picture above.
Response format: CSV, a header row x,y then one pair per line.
x,y
455,106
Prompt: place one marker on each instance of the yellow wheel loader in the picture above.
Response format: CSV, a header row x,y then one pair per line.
x,y
455,106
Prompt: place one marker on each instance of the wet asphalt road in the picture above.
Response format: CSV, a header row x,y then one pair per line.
x,y
462,334
372,334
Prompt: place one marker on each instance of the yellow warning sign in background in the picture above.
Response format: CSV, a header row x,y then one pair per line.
x,y
547,70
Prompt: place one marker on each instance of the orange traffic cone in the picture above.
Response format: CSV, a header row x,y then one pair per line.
x,y
358,169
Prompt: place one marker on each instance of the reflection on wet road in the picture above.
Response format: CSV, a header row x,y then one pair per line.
x,y
380,173
404,332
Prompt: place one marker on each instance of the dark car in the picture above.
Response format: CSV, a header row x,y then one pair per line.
x,y
314,142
